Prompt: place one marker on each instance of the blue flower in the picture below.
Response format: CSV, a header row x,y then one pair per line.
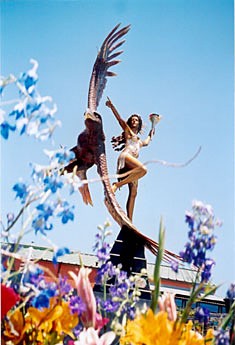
x,y
6,128
59,252
46,210
18,111
52,183
38,172
64,156
21,191
39,224
33,106
30,78
66,214
42,300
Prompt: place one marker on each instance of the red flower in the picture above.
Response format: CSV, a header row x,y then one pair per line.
x,y
8,299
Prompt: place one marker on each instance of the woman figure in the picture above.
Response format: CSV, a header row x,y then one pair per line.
x,y
128,162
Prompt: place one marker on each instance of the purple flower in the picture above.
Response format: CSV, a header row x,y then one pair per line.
x,y
59,252
222,337
201,222
109,306
76,305
103,252
10,217
33,275
206,272
189,219
175,266
202,315
105,272
231,292
21,191
64,286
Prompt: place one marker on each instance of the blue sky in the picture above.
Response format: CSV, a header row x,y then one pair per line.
x,y
177,61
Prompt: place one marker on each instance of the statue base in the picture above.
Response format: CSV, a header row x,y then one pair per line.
x,y
129,251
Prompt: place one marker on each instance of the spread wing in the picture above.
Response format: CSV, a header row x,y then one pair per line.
x,y
105,59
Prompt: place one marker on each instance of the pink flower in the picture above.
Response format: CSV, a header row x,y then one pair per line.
x,y
166,302
89,318
8,299
90,337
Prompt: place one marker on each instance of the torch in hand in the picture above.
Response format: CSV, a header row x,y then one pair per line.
x,y
154,119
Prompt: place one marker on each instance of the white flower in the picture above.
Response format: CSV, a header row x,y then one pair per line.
x,y
90,336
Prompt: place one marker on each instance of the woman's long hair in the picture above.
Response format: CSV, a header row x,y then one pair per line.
x,y
119,142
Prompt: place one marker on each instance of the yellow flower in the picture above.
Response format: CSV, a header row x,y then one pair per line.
x,y
66,321
57,319
149,329
14,328
39,323
157,329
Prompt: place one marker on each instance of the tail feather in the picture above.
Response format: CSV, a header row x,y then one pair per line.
x,y
120,216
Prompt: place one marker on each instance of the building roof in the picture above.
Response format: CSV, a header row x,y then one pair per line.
x,y
184,274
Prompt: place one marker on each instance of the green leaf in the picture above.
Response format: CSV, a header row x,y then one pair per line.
x,y
156,277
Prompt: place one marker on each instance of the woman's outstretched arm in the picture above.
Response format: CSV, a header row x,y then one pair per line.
x,y
122,122
149,138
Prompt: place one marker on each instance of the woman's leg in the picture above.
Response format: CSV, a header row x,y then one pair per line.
x,y
136,171
133,186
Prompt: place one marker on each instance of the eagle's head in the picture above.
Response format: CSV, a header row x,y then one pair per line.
x,y
93,120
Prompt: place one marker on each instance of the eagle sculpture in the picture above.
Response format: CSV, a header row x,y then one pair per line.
x,y
90,148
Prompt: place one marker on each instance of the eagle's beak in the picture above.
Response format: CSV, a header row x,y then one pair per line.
x,y
88,115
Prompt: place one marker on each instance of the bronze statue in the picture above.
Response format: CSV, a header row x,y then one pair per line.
x,y
128,163
90,148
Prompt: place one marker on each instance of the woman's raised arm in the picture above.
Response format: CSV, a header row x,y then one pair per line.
x,y
122,122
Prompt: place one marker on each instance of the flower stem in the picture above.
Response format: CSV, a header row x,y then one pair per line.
x,y
157,278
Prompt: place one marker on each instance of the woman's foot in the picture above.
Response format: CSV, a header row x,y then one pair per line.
x,y
114,187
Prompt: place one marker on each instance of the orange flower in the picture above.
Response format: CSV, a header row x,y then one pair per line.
x,y
14,328
157,329
66,321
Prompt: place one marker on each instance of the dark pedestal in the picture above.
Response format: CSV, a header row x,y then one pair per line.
x,y
128,251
